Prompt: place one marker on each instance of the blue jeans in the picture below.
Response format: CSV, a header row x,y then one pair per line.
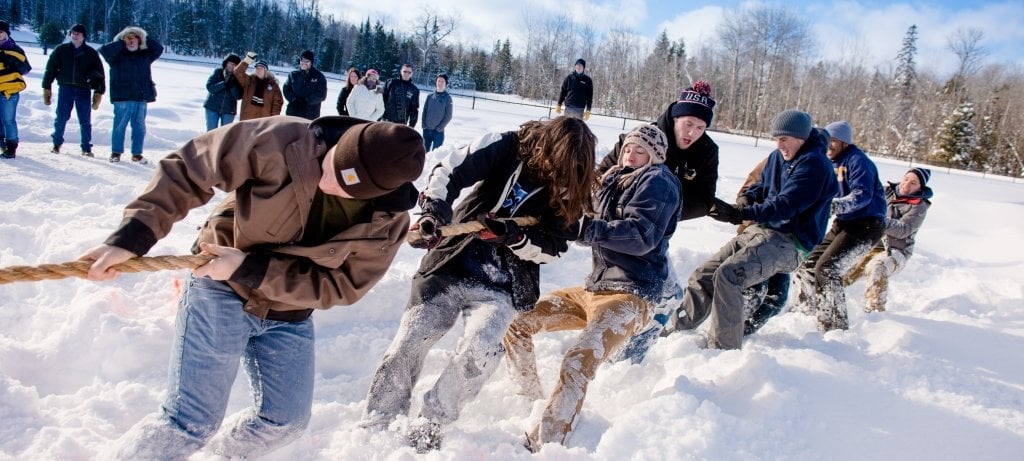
x,y
214,120
211,333
8,112
432,139
126,112
81,100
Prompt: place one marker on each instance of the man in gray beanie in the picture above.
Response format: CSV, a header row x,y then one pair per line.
x,y
312,229
790,204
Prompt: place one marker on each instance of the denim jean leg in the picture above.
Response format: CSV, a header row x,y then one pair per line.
x,y
138,122
279,362
83,108
212,119
211,333
438,139
122,115
65,101
226,119
9,112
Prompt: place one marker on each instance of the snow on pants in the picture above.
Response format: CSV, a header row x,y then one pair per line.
x,y
876,266
821,279
608,319
717,285
436,304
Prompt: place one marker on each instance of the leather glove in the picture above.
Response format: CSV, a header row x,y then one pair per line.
x,y
558,109
586,115
47,96
429,230
744,201
250,57
499,231
725,212
96,98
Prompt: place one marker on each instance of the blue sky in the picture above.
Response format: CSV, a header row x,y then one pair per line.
x,y
865,31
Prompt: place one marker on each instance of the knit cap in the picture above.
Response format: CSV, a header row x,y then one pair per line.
x,y
840,130
261,63
652,139
922,175
581,62
307,55
695,101
373,159
231,57
78,28
4,26
792,122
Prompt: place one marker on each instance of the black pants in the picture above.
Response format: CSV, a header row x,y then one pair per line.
x,y
844,244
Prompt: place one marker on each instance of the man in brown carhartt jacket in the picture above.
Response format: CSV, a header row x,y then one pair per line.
x,y
314,215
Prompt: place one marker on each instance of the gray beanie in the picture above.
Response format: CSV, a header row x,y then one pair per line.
x,y
840,130
792,122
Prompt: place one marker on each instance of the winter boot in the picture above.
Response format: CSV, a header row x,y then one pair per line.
x,y
10,149
115,157
137,158
424,437
87,153
3,151
56,149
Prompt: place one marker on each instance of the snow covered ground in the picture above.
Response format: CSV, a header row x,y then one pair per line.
x,y
938,376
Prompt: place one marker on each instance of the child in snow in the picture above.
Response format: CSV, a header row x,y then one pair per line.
x,y
637,206
908,204
544,170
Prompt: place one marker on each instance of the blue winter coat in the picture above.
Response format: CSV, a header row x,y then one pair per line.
x,y
631,233
131,78
305,90
225,91
795,197
860,191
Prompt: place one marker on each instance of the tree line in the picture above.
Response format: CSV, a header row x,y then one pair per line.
x,y
761,60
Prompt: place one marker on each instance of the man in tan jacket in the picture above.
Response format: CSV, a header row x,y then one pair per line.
x,y
314,215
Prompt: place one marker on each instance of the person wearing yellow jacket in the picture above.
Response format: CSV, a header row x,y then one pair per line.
x,y
13,66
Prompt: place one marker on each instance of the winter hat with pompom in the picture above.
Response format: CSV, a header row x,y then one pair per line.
x,y
695,101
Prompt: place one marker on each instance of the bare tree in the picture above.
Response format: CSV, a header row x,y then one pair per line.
x,y
429,32
966,45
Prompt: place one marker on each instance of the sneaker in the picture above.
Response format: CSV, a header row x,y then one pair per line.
x,y
114,158
86,153
138,159
55,150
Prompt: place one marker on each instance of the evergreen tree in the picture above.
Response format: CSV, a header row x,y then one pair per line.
x,y
956,143
50,35
504,76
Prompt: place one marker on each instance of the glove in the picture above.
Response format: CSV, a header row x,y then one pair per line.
x,y
96,98
744,201
725,212
429,230
499,231
47,96
586,115
558,109
250,57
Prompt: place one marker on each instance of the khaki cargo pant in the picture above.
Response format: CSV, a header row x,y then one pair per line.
x,y
608,319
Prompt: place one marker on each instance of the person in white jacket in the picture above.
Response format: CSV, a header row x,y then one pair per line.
x,y
366,101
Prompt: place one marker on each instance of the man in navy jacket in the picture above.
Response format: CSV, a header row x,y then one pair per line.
x,y
790,204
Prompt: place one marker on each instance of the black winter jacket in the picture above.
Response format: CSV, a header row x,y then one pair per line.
x,y
505,187
305,90
225,92
131,75
577,91
80,68
696,167
401,102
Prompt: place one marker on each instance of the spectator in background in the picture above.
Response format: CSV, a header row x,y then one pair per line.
x,y
351,80
225,91
13,66
305,88
130,57
402,99
437,112
577,92
366,101
77,68
261,94
908,203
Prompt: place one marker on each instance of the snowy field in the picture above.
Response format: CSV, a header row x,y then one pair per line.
x,y
939,376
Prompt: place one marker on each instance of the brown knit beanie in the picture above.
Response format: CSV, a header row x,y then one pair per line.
x,y
372,159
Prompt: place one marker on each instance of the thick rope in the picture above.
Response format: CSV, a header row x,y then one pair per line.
x,y
470,227
81,268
